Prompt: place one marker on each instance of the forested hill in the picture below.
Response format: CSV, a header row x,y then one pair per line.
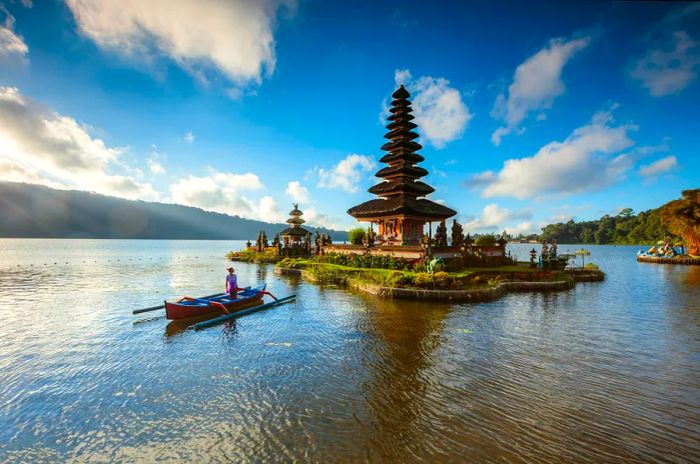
x,y
625,228
37,211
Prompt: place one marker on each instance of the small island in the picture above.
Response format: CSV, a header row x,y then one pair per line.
x,y
394,257
467,284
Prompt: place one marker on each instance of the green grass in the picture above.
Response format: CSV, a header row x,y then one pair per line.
x,y
248,256
470,278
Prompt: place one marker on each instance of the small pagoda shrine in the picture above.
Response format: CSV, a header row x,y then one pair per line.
x,y
400,212
296,241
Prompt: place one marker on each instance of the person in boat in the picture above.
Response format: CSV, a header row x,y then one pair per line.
x,y
231,283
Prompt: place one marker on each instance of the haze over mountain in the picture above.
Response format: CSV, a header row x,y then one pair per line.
x,y
36,211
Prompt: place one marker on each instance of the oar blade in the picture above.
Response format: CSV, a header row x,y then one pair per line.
x,y
226,317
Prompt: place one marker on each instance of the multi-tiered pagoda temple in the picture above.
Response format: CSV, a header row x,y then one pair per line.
x,y
400,212
295,235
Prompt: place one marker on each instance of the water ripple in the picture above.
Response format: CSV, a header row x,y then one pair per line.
x,y
606,372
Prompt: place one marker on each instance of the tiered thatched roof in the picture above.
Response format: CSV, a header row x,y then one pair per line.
x,y
400,190
296,221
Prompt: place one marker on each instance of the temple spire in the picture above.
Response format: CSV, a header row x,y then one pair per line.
x,y
295,216
401,173
400,209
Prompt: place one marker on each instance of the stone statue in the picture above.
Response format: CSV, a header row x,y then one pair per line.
x,y
457,234
545,251
436,265
370,236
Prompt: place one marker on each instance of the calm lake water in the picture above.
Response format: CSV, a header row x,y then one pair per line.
x,y
607,372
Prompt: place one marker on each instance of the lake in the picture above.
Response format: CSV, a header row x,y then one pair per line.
x,y
606,372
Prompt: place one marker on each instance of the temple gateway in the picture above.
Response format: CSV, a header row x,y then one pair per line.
x,y
400,212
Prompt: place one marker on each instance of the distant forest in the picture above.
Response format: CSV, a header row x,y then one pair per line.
x,y
34,211
625,228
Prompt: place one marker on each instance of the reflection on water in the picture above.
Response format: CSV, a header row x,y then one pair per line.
x,y
607,372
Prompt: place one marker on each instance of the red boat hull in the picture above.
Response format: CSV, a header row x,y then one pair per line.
x,y
188,308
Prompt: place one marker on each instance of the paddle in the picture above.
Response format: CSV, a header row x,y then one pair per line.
x,y
227,317
154,308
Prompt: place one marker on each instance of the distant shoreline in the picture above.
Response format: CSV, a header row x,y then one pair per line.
x,y
253,239
139,238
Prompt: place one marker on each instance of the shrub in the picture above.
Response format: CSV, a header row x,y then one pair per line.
x,y
442,280
356,235
486,240
365,261
401,280
423,280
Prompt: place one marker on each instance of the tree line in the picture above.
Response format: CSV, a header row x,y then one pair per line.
x,y
677,220
626,228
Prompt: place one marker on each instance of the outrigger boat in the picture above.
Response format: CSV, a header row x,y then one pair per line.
x,y
188,307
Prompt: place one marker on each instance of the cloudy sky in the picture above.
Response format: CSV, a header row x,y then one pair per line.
x,y
529,113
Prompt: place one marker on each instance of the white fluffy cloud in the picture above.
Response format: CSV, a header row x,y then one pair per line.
x,y
38,145
659,167
300,194
587,159
154,162
221,192
188,137
526,227
670,66
10,42
317,218
493,218
536,83
155,167
347,174
233,37
441,114
297,192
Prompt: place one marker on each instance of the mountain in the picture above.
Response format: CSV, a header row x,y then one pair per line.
x,y
34,211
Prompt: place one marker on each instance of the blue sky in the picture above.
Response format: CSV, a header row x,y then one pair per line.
x,y
529,113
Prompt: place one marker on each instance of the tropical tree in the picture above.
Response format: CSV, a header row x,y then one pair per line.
x,y
626,212
356,235
682,217
485,240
